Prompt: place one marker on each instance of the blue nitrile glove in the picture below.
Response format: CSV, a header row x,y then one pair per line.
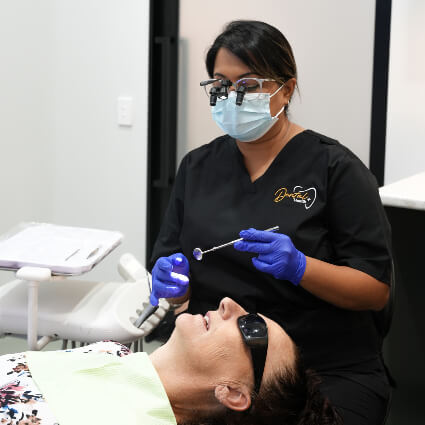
x,y
169,277
277,254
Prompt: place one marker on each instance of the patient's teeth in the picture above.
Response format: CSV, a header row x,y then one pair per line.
x,y
207,321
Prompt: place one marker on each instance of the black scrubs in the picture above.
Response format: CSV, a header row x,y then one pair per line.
x,y
322,196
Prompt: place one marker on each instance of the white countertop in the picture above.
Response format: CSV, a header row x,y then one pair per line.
x,y
405,193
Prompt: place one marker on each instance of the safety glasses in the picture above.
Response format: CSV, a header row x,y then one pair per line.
x,y
254,333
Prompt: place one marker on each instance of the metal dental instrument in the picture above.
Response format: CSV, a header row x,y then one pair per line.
x,y
198,253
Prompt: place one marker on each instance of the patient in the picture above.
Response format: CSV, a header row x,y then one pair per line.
x,y
227,367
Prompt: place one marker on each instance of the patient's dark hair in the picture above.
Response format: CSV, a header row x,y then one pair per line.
x,y
292,397
258,45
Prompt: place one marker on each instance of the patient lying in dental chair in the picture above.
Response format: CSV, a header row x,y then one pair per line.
x,y
228,367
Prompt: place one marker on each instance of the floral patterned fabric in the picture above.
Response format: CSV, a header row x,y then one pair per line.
x,y
20,400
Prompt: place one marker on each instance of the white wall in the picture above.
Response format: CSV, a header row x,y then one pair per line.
x,y
405,139
24,110
333,47
64,159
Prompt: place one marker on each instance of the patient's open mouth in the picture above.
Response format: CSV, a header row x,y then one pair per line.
x,y
207,321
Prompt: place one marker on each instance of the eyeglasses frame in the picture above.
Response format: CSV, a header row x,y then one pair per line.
x,y
221,93
228,83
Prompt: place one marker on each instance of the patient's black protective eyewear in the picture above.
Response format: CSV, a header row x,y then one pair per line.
x,y
254,333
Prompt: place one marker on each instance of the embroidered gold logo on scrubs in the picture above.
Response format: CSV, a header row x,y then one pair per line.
x,y
298,194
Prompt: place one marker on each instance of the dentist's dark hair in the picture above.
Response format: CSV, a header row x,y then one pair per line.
x,y
258,45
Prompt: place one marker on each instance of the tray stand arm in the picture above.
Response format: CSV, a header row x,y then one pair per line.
x,y
33,276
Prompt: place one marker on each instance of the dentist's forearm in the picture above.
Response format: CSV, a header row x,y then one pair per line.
x,y
343,286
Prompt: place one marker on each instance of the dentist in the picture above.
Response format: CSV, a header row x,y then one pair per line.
x,y
328,270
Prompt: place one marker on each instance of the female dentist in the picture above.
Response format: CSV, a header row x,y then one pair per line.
x,y
328,269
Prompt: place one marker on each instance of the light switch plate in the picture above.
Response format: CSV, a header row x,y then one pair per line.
x,y
125,111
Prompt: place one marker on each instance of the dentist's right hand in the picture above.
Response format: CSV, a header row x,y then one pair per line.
x,y
169,277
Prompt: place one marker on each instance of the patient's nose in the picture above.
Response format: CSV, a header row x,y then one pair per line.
x,y
229,309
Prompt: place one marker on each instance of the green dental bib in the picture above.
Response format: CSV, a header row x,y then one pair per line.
x,y
92,388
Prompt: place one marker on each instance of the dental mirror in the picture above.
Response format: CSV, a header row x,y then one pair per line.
x,y
198,253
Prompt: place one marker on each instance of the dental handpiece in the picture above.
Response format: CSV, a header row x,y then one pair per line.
x,y
198,253
151,307
147,312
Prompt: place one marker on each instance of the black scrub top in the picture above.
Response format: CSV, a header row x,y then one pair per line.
x,y
322,196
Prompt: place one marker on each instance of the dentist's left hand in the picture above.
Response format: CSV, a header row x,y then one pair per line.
x,y
277,254
169,277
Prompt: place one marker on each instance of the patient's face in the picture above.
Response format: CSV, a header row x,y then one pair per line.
x,y
214,347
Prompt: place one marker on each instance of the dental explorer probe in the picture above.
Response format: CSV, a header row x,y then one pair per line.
x,y
198,253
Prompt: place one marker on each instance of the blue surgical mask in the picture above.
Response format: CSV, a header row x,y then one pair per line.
x,y
246,122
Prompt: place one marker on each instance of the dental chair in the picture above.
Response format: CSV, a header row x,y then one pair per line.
x,y
79,311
